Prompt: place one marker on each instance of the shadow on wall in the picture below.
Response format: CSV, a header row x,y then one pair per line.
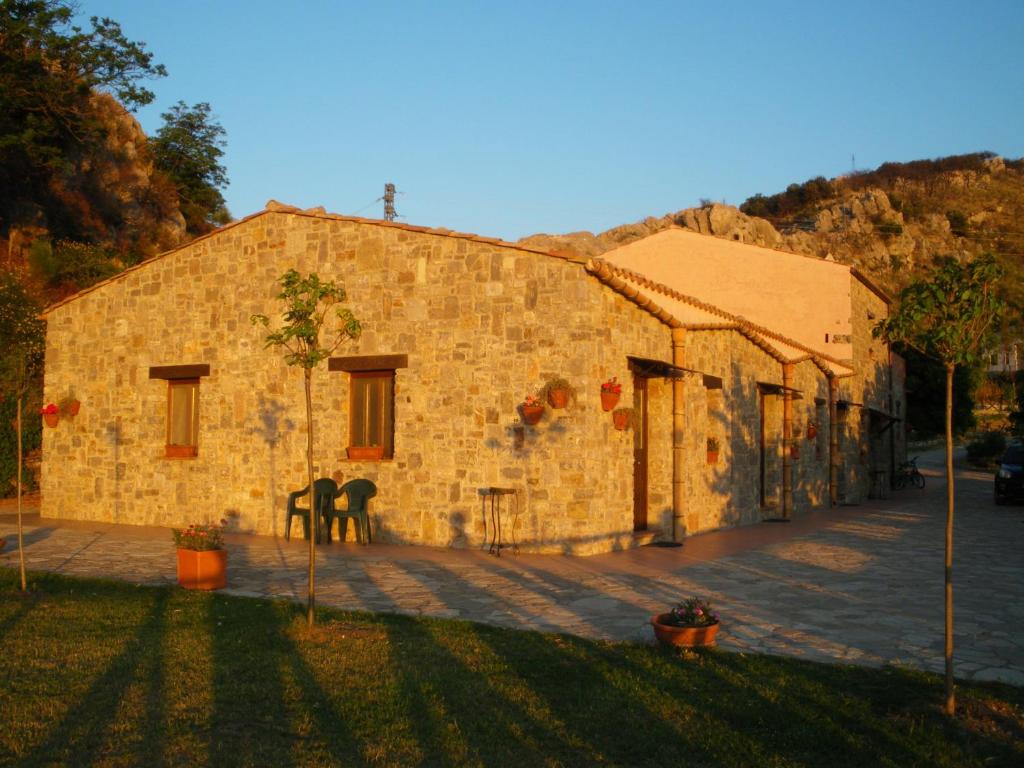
x,y
272,423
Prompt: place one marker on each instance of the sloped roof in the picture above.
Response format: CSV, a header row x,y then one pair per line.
x,y
678,310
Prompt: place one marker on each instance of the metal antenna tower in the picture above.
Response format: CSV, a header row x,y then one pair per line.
x,y
389,202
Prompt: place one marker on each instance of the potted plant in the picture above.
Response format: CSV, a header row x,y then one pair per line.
x,y
532,409
611,391
692,623
812,430
622,418
713,448
51,414
202,559
70,406
794,450
558,392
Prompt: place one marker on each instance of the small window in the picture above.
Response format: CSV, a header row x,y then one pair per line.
x,y
182,417
371,403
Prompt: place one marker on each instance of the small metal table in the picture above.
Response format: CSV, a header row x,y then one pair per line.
x,y
495,495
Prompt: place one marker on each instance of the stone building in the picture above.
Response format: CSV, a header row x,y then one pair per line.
x,y
185,415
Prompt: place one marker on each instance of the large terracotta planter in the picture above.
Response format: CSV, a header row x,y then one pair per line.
x,y
532,413
609,400
684,637
558,398
365,452
202,570
51,419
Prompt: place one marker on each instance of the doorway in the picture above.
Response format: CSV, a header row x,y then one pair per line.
x,y
640,395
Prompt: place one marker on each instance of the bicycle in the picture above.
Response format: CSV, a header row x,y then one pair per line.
x,y
908,473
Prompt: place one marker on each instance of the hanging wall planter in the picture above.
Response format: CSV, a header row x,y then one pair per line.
x,y
713,449
531,410
558,392
622,418
51,414
74,406
812,430
611,391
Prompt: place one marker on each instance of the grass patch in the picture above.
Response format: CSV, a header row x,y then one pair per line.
x,y
108,674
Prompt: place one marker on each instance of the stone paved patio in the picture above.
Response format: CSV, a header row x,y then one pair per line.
x,y
860,585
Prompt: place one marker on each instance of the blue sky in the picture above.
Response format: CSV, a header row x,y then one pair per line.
x,y
508,119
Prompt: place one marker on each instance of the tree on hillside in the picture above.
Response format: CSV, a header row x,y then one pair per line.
x,y
49,70
949,317
307,302
21,359
188,148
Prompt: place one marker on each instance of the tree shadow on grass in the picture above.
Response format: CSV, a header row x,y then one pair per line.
x,y
469,702
80,736
281,714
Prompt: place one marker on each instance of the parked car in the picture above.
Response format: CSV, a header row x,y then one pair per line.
x,y
1010,476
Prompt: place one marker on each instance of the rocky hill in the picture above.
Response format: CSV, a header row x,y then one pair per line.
x,y
891,222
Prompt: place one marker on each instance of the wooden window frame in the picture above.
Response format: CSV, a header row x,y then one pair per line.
x,y
190,451
385,373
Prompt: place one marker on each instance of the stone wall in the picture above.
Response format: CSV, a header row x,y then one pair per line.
x,y
483,324
729,491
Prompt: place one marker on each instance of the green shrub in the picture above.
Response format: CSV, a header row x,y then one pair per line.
x,y
73,264
986,448
957,223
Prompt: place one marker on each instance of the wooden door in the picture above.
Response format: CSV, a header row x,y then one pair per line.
x,y
640,454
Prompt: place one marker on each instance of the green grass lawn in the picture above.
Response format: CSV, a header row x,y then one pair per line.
x,y
102,673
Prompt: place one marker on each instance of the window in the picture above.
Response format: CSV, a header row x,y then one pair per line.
x,y
182,417
182,435
371,403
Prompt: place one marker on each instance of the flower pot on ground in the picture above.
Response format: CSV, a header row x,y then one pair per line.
x,y
202,558
531,410
51,414
365,452
558,392
692,623
611,391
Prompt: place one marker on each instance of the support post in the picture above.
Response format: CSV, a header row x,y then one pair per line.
x,y
678,435
833,440
787,440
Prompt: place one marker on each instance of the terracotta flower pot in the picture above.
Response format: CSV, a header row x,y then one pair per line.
x,y
365,452
74,407
532,413
558,398
712,457
685,637
620,419
794,451
812,431
609,400
202,570
51,419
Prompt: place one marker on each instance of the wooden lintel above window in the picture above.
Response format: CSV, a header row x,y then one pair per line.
x,y
368,363
179,371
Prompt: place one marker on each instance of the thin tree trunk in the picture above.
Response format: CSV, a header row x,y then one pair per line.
x,y
950,706
310,606
21,537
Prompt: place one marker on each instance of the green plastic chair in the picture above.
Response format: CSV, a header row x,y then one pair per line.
x,y
359,493
326,491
